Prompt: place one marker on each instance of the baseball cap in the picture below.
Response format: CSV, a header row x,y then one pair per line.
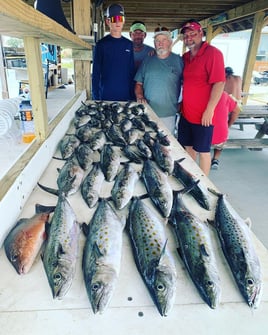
x,y
229,70
115,10
162,31
191,26
138,26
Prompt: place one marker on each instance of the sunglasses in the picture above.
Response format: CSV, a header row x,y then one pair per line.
x,y
117,18
158,29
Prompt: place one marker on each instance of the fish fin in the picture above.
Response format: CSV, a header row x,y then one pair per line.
x,y
203,250
96,251
179,252
48,189
44,209
144,196
211,190
248,222
59,158
60,250
47,228
163,251
211,222
85,228
180,159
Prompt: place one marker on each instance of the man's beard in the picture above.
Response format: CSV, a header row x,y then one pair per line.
x,y
162,52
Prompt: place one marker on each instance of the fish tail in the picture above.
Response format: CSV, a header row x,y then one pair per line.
x,y
44,209
48,189
211,190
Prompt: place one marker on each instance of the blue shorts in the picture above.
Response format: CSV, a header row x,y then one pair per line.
x,y
194,135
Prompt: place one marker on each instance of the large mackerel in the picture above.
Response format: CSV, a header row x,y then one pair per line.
x,y
152,256
61,248
92,184
102,255
124,186
195,249
158,187
237,246
109,162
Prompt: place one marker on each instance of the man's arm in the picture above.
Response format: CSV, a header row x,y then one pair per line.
x,y
234,115
139,93
215,95
96,74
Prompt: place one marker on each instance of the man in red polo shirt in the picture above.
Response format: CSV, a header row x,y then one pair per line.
x,y
203,84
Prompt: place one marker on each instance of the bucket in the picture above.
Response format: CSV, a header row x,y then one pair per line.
x,y
8,110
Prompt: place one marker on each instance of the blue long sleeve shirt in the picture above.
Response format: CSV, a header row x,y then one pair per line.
x,y
113,69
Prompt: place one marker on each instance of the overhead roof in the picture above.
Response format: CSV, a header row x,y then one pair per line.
x,y
233,15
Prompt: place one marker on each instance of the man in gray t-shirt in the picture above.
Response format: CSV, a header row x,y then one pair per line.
x,y
159,79
137,34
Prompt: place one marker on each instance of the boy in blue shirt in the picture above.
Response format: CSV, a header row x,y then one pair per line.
x,y
113,61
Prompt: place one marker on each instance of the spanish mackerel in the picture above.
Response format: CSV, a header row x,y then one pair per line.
x,y
163,156
70,177
237,246
158,187
61,248
109,162
67,145
152,255
124,185
91,185
102,255
195,249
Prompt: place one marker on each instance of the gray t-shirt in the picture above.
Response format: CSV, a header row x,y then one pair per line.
x,y
161,79
141,55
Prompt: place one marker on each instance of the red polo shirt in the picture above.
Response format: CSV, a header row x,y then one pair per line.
x,y
199,75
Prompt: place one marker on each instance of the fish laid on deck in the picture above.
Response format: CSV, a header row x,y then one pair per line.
x,y
196,250
163,157
84,155
25,239
61,248
102,255
124,186
158,187
152,256
199,192
109,162
91,185
70,177
238,248
67,145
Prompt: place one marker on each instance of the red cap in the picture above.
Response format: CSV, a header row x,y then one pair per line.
x,y
191,26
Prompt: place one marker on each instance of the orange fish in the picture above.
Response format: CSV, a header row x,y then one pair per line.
x,y
25,239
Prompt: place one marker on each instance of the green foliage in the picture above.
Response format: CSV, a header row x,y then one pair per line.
x,y
14,42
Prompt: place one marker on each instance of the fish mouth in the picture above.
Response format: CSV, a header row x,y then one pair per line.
x,y
99,301
253,300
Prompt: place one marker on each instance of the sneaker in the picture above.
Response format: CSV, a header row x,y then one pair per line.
x,y
214,164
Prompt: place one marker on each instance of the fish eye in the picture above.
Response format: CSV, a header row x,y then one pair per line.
x,y
160,287
210,283
57,277
14,258
250,281
95,287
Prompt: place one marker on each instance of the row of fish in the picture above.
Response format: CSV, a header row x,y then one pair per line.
x,y
102,250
